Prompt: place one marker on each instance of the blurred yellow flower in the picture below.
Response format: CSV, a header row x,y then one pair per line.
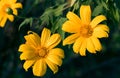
x,y
85,32
40,52
7,8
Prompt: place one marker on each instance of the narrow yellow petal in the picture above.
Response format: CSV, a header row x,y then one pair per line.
x,y
90,46
45,36
32,39
77,44
28,55
3,21
17,5
96,43
74,18
102,27
15,12
13,1
39,68
83,48
97,20
55,59
10,17
28,64
53,41
70,39
71,27
25,47
52,66
57,51
85,14
99,33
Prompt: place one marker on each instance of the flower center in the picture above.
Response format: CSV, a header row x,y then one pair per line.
x,y
6,8
42,52
9,11
86,31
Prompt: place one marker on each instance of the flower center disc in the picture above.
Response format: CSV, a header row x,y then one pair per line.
x,y
86,31
6,8
42,52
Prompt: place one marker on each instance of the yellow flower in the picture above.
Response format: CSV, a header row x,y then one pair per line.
x,y
85,32
7,8
40,52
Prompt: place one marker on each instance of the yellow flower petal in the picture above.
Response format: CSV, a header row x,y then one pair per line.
x,y
55,59
52,66
102,27
10,17
71,27
32,39
17,5
97,20
85,14
53,41
99,33
83,48
13,1
28,64
90,46
70,39
77,44
57,51
28,55
96,43
39,68
74,18
45,36
25,47
3,21
15,12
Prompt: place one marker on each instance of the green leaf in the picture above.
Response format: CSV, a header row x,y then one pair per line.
x,y
45,17
116,15
51,12
76,6
59,10
26,21
58,24
104,5
98,9
62,33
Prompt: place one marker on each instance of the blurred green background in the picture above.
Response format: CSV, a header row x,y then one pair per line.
x,y
37,14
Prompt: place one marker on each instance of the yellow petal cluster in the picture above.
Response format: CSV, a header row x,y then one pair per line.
x,y
7,9
84,31
40,52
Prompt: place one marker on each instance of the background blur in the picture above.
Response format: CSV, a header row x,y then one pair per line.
x,y
37,14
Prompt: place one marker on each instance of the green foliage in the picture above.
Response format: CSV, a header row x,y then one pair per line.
x,y
37,14
27,21
98,10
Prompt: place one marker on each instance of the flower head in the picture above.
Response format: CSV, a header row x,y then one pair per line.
x,y
40,52
7,8
85,32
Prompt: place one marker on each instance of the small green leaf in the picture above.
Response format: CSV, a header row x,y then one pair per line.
x,y
104,5
58,24
117,15
59,10
45,17
98,9
76,6
26,21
